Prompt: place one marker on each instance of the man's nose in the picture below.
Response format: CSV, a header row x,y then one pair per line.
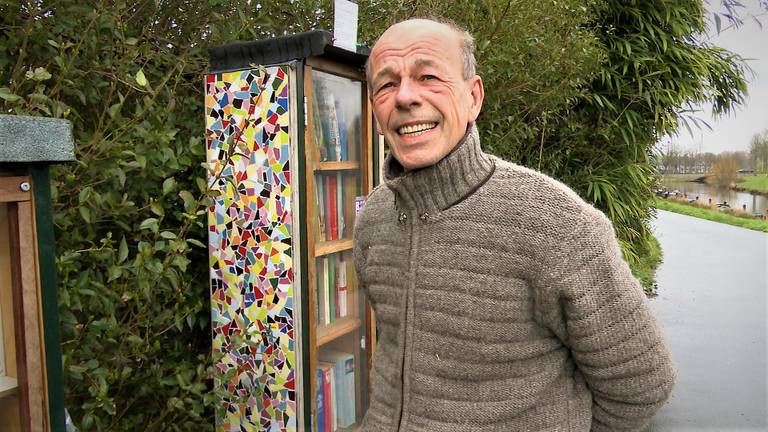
x,y
407,95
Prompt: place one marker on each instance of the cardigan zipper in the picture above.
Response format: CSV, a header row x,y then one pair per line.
x,y
408,321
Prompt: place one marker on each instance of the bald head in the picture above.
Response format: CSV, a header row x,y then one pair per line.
x,y
465,43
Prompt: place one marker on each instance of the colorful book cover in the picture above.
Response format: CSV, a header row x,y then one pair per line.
x,y
333,208
341,302
320,414
344,386
342,129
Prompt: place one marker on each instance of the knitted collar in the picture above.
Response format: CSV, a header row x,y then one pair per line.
x,y
437,187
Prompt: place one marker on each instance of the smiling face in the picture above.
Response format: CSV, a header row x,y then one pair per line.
x,y
421,100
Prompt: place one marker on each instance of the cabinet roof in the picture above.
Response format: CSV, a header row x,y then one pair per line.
x,y
241,55
35,139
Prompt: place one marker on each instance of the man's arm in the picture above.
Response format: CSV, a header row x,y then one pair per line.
x,y
604,318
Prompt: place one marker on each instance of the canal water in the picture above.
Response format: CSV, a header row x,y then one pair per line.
x,y
754,203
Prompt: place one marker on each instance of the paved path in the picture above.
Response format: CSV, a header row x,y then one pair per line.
x,y
712,306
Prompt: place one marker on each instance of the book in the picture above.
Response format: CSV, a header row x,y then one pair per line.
x,y
331,197
340,205
331,288
320,414
334,146
341,298
342,129
323,289
329,395
320,208
317,125
344,386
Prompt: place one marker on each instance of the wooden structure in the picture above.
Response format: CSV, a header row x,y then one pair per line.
x,y
290,149
30,353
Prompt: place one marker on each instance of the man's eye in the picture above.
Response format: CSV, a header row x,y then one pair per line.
x,y
386,85
428,77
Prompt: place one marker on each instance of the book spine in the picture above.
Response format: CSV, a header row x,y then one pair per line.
x,y
332,288
333,396
320,401
340,204
342,299
340,117
346,387
325,305
320,208
330,400
333,209
334,147
317,125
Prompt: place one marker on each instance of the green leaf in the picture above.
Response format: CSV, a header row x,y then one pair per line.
x,y
122,253
149,224
168,185
5,94
195,242
141,79
131,41
168,235
188,198
85,213
157,209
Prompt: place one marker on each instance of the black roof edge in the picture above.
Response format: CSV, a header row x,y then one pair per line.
x,y
241,55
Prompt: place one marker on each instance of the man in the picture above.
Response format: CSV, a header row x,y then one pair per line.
x,y
502,301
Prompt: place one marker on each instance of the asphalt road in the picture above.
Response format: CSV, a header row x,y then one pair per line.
x,y
712,307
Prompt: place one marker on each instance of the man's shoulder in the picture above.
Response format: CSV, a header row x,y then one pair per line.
x,y
525,185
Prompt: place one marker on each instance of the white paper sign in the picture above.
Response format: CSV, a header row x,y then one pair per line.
x,y
345,24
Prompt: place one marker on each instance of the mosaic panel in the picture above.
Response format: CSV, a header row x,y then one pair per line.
x,y
250,226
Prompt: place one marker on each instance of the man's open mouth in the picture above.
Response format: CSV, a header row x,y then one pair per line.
x,y
416,130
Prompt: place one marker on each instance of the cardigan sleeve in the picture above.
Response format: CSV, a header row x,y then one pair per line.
x,y
604,318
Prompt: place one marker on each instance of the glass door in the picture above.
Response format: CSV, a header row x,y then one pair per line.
x,y
338,163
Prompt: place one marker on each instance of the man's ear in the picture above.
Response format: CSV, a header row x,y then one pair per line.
x,y
378,126
478,94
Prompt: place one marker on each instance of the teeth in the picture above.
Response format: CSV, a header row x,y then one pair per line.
x,y
417,129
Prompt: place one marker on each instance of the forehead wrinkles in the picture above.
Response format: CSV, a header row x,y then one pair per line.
x,y
415,54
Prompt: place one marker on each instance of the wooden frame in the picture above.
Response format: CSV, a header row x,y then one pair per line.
x,y
29,347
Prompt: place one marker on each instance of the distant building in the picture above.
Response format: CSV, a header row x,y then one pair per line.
x,y
746,171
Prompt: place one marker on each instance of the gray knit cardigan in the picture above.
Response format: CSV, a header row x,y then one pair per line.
x,y
502,303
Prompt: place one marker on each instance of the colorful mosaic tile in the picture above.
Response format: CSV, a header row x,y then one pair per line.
x,y
250,226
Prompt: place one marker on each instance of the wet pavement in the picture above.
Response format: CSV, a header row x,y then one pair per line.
x,y
712,307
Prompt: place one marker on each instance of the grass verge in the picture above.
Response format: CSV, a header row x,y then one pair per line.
x,y
754,183
645,269
713,215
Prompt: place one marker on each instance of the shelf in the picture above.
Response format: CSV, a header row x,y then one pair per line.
x,y
333,246
337,329
337,166
8,386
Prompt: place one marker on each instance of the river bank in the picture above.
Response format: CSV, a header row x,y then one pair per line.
x,y
751,183
703,211
755,183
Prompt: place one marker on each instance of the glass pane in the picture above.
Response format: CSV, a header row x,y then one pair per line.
x,y
336,193
10,419
340,321
336,123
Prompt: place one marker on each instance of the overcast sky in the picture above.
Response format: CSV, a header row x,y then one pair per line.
x,y
734,131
